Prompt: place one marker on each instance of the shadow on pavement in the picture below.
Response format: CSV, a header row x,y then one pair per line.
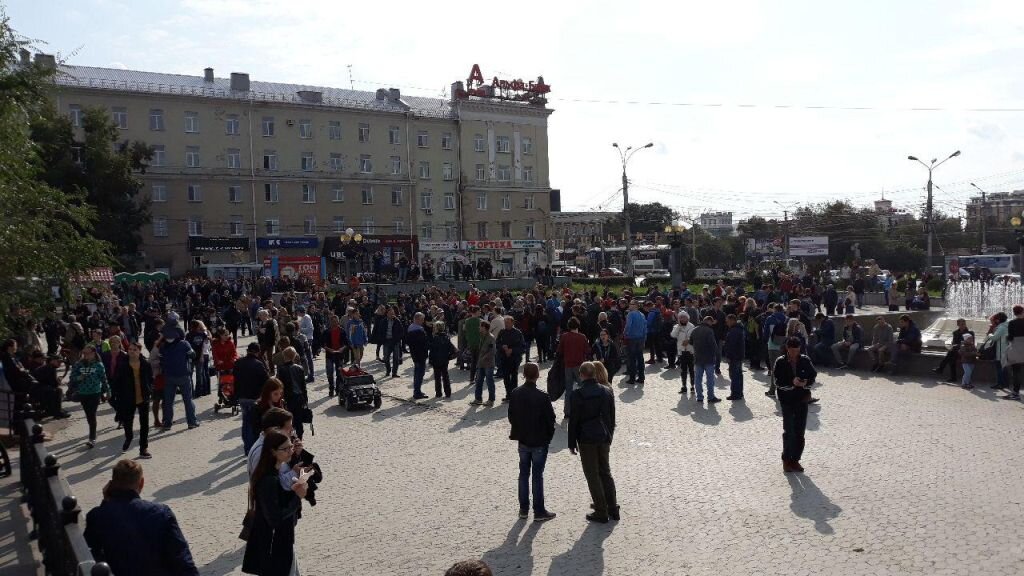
x,y
17,555
809,502
740,411
204,482
225,563
707,415
515,555
587,555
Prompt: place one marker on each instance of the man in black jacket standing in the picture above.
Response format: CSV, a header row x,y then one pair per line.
x,y
510,344
591,427
250,375
533,426
418,341
794,374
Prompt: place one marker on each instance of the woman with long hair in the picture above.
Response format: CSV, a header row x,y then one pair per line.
x,y
997,337
270,548
90,380
133,387
271,396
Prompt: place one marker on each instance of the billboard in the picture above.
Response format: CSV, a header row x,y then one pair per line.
x,y
293,266
808,246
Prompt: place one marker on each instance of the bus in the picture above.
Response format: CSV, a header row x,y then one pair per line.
x,y
958,266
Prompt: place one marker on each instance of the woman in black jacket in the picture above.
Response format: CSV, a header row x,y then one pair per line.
x,y
440,351
270,548
293,378
132,388
607,353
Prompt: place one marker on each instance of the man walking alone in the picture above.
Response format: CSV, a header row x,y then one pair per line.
x,y
533,426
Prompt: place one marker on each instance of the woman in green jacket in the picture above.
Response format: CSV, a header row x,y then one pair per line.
x,y
90,378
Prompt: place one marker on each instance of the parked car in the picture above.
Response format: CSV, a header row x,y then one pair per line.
x,y
610,272
659,274
573,271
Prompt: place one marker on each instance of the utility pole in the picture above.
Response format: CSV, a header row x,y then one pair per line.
x,y
981,217
624,156
928,207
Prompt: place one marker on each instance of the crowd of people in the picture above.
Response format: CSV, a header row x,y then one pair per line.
x,y
145,347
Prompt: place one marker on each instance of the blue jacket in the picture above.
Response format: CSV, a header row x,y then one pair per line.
x,y
636,326
174,358
770,322
653,321
735,348
137,537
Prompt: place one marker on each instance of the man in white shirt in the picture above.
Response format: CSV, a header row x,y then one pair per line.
x,y
681,332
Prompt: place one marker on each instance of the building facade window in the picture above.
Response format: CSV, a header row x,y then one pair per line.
x,y
396,165
368,226
426,199
235,226
481,173
234,158
530,231
528,174
192,156
504,144
339,224
506,201
271,193
334,130
446,140
527,145
504,173
305,129
156,119
195,193
396,195
195,226
269,160
394,135
159,226
422,139
308,193
231,125
337,193
191,122
364,133
307,162
449,201
481,230
424,170
528,202
446,171
398,225
506,229
75,114
481,201
367,193
120,116
267,124
449,231
478,142
336,164
234,194
427,230
158,193
159,155
272,226
309,226
365,164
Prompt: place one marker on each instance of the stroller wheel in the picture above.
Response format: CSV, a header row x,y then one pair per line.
x,y
216,408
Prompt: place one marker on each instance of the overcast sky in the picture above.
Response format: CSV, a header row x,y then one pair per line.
x,y
721,71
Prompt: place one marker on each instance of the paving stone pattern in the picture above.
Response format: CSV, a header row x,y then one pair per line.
x,y
903,477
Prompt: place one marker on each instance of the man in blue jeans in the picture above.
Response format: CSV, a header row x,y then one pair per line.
x,y
418,341
734,351
706,355
533,426
174,363
635,334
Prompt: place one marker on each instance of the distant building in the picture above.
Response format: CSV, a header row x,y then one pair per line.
x,y
889,216
573,230
718,224
997,209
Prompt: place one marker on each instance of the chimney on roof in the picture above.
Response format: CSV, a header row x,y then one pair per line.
x,y
26,57
240,81
46,61
394,94
208,74
382,94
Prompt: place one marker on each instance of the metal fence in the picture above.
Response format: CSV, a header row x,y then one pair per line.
x,y
54,509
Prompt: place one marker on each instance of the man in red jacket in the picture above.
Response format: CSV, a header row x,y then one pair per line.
x,y
573,348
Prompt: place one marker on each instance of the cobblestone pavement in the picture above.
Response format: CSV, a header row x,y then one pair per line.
x,y
903,477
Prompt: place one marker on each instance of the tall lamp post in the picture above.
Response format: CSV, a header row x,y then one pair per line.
x,y
981,218
928,209
675,257
624,156
351,242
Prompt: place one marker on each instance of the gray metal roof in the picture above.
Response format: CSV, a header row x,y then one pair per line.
x,y
180,84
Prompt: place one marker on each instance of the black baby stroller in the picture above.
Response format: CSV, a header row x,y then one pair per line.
x,y
357,388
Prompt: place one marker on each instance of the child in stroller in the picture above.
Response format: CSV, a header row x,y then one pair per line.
x,y
224,356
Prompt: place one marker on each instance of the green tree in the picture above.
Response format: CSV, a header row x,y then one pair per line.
x,y
45,231
104,168
651,217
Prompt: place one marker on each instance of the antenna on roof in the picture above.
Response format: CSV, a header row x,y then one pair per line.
x,y
351,83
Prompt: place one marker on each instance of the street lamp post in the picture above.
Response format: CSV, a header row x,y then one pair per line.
x,y
675,240
981,217
624,156
928,208
351,241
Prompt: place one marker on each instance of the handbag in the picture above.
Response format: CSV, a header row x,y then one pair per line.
x,y
556,379
247,525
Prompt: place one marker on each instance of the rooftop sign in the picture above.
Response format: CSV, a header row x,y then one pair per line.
x,y
517,90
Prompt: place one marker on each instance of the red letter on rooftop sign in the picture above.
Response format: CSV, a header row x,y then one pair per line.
x,y
475,76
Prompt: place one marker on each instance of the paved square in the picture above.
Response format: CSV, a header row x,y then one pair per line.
x,y
903,477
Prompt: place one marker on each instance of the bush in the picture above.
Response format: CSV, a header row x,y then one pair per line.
x,y
935,285
610,281
901,285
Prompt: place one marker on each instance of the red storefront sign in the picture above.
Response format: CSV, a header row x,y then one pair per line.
x,y
293,266
517,90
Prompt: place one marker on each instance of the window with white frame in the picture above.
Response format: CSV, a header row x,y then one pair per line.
x,y
481,173
528,174
305,129
446,140
504,144
367,193
530,230
231,125
308,193
504,173
309,226
339,224
396,165
424,170
334,129
481,200
192,156
506,201
481,230
426,230
159,155
398,225
234,158
195,226
192,122
234,194
449,231
426,199
479,142
449,201
527,145
195,193
158,193
394,135
307,161
422,138
506,229
365,164
364,133
272,226
75,114
337,193
159,227
269,160
336,163
120,115
156,119
446,171
268,126
271,192
235,226
528,202
396,195
368,226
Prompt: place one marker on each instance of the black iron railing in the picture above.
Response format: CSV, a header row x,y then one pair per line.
x,y
54,509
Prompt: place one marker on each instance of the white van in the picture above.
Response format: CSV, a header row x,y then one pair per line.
x,y
642,267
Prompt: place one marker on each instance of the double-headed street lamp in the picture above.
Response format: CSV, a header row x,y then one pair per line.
x,y
928,210
624,156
